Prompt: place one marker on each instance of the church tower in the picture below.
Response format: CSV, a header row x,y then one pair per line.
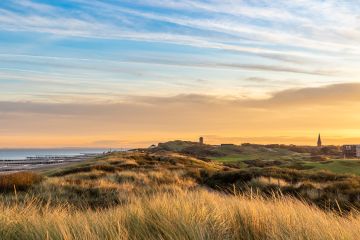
x,y
319,143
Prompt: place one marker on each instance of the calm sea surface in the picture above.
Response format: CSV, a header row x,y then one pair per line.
x,y
20,154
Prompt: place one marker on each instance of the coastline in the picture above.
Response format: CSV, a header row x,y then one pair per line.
x,y
43,163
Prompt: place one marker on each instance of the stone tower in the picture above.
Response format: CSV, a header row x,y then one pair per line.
x,y
201,140
319,143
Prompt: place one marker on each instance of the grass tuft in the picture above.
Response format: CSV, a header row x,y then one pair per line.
x,y
19,181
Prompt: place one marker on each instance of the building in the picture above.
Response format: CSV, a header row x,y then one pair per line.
x,y
201,140
319,143
351,151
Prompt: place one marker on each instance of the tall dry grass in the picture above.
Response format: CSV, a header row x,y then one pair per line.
x,y
182,215
19,181
155,197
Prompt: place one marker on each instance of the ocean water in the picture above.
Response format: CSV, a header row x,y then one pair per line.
x,y
20,154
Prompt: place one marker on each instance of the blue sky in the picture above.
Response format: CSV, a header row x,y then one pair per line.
x,y
139,53
116,48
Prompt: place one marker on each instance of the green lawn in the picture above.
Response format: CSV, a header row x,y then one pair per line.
x,y
251,153
338,166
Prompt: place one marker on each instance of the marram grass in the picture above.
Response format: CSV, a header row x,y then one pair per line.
x,y
182,215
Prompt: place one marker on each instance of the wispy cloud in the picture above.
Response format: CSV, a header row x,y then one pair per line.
x,y
180,63
76,51
287,25
338,94
315,20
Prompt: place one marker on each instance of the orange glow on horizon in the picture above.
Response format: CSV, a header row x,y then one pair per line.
x,y
289,117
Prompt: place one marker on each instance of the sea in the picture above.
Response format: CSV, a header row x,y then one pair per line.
x,y
22,154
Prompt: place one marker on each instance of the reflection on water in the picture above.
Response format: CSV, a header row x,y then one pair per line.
x,y
21,154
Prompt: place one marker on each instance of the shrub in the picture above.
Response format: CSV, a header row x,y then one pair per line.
x,y
19,180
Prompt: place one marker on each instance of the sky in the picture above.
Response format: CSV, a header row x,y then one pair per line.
x,y
129,73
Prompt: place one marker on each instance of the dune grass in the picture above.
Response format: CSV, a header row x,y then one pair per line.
x,y
18,181
160,196
182,215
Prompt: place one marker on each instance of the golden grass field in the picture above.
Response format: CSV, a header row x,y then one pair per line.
x,y
141,196
182,215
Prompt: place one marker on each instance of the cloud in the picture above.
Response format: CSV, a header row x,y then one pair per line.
x,y
35,6
259,67
337,94
258,79
115,65
295,113
299,42
221,30
300,14
320,96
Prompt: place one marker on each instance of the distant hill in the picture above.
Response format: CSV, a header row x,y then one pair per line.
x,y
250,151
192,149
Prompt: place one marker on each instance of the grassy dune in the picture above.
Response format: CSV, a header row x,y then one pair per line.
x,y
157,196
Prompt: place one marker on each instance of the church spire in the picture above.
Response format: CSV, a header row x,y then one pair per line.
x,y
319,143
